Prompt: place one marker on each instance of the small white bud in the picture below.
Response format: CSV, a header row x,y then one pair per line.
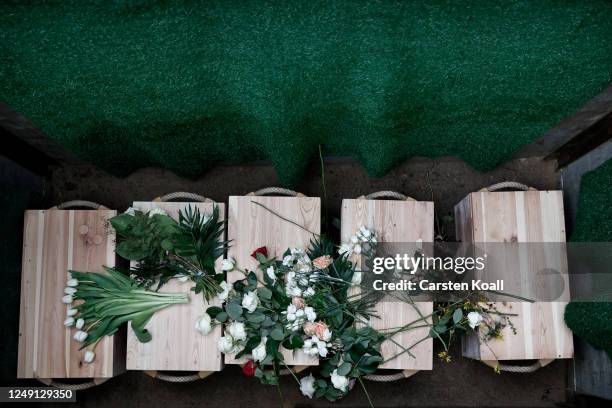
x,y
67,299
71,312
80,323
80,336
89,356
69,291
69,322
227,265
72,282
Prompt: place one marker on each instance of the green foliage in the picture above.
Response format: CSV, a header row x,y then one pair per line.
x,y
591,321
353,351
378,81
163,248
587,318
111,299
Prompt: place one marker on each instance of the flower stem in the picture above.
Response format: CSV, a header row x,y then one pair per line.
x,y
365,391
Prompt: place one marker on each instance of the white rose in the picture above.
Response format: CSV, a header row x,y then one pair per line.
x,y
250,301
69,322
223,295
287,260
307,386
259,352
310,313
322,348
225,344
356,280
345,249
340,382
237,331
80,323
227,265
203,324
309,292
69,291
71,312
67,299
157,211
271,274
89,356
474,319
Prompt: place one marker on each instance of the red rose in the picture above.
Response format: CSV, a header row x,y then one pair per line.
x,y
261,250
249,368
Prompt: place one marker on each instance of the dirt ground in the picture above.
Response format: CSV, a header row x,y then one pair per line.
x,y
445,181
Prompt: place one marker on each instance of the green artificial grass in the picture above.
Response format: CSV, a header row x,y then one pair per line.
x,y
594,218
127,84
590,320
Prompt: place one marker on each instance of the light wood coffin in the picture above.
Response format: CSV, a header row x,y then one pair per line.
x,y
176,345
251,226
396,222
55,241
520,217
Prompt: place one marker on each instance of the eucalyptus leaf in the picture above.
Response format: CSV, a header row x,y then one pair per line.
x,y
344,369
264,293
234,310
277,334
457,315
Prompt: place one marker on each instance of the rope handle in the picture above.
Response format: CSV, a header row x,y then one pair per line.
x,y
394,195
391,377
276,191
508,185
518,368
73,387
79,203
183,195
160,375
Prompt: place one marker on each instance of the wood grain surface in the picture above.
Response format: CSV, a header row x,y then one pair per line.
x,y
396,222
54,242
520,217
251,226
176,344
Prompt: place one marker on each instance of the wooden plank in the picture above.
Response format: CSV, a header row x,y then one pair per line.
x,y
176,345
399,222
54,242
521,217
251,226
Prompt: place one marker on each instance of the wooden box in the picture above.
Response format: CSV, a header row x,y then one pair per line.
x,y
55,241
396,222
251,226
176,345
520,217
